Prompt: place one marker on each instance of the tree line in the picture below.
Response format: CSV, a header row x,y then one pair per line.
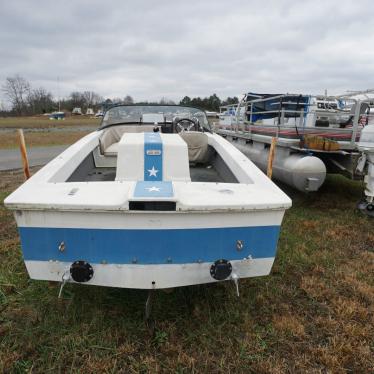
x,y
26,100
211,103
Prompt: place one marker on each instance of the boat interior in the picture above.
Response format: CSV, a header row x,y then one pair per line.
x,y
205,163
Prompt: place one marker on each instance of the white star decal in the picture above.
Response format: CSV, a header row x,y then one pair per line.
x,y
153,172
153,189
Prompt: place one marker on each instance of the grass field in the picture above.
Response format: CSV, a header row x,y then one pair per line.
x,y
313,314
44,122
69,130
36,139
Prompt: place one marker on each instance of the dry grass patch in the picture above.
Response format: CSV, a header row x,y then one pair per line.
x,y
289,325
45,122
40,139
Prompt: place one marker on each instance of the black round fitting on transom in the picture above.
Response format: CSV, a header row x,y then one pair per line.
x,y
81,271
221,269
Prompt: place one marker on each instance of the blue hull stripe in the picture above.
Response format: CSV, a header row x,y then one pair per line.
x,y
152,156
117,246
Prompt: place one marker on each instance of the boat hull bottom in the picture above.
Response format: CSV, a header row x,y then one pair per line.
x,y
149,276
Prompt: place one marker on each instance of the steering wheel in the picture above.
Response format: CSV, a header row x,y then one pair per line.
x,y
185,125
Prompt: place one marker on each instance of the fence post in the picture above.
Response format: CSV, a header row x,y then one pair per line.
x,y
22,147
271,157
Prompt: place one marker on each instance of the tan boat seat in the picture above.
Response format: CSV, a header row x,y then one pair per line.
x,y
112,135
198,148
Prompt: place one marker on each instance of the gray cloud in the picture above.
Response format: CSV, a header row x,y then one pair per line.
x,y
151,49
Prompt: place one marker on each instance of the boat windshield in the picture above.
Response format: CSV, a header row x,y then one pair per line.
x,y
123,114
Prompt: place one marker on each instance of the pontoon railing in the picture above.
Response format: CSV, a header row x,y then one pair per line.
x,y
224,108
282,112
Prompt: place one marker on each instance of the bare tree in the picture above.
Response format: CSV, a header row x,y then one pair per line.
x,y
77,99
16,89
117,100
128,100
91,98
166,101
40,101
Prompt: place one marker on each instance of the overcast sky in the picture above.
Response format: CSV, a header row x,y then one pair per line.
x,y
171,48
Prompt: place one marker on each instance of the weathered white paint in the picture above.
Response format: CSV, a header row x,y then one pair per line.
x,y
142,276
141,220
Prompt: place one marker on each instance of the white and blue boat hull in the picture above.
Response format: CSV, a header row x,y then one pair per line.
x,y
151,226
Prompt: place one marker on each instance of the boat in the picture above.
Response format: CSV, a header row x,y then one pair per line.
x,y
76,111
211,114
57,115
153,199
314,134
231,114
